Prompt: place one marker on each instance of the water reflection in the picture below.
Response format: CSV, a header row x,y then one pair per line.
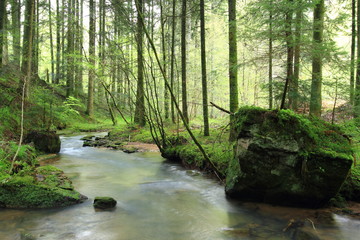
x,y
156,200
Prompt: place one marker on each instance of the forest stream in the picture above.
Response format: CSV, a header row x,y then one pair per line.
x,y
157,200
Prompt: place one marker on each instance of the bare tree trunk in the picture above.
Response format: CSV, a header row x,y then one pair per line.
x,y
353,46
90,102
2,29
203,70
51,45
271,56
233,69
139,116
172,70
318,29
58,42
16,30
70,51
290,57
297,49
27,47
183,61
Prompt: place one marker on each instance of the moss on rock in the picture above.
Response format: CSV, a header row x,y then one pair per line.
x,y
288,159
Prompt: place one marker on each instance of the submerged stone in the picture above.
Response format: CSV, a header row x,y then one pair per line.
x,y
104,202
287,159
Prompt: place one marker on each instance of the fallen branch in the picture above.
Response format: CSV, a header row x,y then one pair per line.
x,y
221,109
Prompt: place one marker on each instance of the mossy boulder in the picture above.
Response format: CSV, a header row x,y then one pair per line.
x,y
47,142
104,202
46,187
287,159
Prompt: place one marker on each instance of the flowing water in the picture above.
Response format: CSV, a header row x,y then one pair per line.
x,y
156,201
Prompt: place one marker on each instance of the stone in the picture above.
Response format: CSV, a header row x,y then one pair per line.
x,y
104,202
286,159
46,142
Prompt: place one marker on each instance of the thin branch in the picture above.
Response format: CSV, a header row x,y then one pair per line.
x,y
221,109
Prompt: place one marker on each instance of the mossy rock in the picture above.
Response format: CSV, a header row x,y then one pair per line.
x,y
46,142
47,187
104,202
287,159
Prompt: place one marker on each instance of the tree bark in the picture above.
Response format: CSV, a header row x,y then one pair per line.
x,y
51,45
27,47
290,56
58,42
271,56
90,100
233,69
16,31
172,67
203,69
70,51
316,83
183,61
139,116
297,49
2,28
353,47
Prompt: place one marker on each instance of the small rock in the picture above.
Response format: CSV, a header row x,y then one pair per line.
x,y
104,202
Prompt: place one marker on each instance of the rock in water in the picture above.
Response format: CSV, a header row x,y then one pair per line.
x,y
47,142
287,159
104,202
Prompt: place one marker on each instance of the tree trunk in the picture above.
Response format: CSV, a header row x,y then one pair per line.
x,y
27,47
353,47
271,56
139,116
16,31
183,62
51,45
70,51
233,69
295,82
203,69
318,28
58,42
290,57
172,67
166,92
90,102
2,28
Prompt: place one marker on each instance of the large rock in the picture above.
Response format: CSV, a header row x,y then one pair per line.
x,y
47,187
47,142
287,159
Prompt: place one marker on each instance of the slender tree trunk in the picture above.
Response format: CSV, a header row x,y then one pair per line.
x,y
172,67
203,69
357,83
233,69
353,47
90,102
318,28
271,56
183,61
51,45
290,57
295,82
36,49
139,116
16,31
58,42
2,29
166,92
70,51
27,47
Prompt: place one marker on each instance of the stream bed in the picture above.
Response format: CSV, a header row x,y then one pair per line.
x,y
158,200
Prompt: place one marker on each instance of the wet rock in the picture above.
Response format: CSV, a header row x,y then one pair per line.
x,y
305,234
87,138
104,202
286,159
47,142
